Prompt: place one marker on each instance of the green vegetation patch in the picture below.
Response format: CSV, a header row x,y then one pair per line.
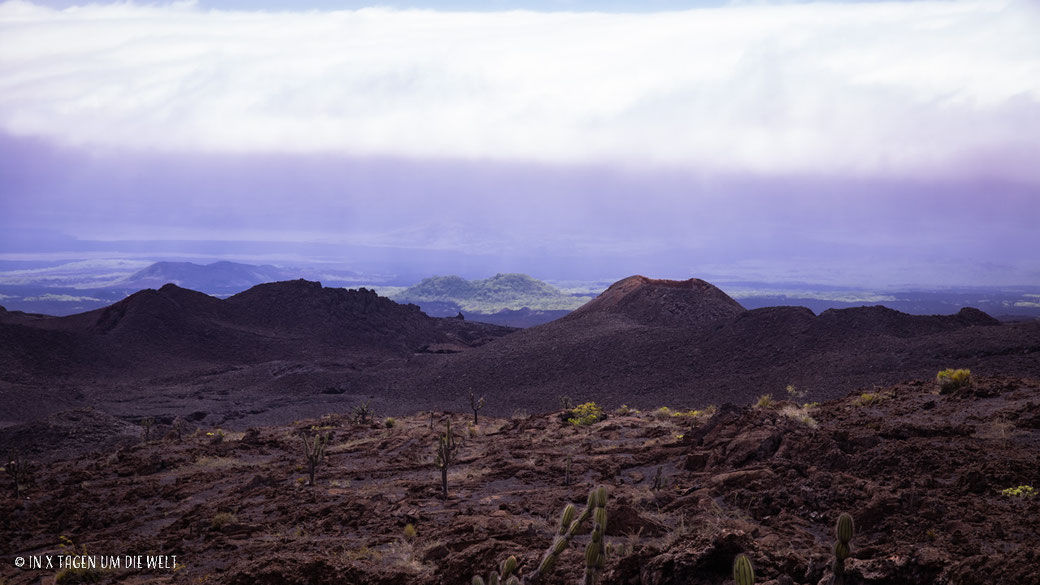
x,y
490,295
585,414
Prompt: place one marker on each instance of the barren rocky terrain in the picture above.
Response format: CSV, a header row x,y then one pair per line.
x,y
921,472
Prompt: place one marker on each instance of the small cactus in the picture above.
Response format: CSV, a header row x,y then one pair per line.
x,y
845,529
743,570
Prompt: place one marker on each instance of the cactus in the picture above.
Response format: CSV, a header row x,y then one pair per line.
x,y
147,423
447,453
18,469
595,552
504,576
314,450
844,529
362,413
567,471
596,508
475,405
743,570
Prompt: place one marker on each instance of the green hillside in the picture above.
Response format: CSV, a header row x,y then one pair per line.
x,y
501,291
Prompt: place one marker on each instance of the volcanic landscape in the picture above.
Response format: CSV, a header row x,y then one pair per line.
x,y
171,422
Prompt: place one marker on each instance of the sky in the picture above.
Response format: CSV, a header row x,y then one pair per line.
x,y
860,143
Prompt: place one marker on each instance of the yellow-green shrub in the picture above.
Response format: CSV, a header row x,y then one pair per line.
x,y
950,379
585,414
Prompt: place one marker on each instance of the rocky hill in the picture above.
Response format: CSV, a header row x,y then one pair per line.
x,y
645,341
191,351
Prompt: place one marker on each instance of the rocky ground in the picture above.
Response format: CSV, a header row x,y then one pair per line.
x,y
921,472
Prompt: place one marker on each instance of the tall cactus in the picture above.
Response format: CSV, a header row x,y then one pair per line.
x,y
18,469
595,507
447,452
147,423
475,404
314,450
743,570
844,529
596,551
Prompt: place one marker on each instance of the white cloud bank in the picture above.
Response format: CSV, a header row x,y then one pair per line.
x,y
917,88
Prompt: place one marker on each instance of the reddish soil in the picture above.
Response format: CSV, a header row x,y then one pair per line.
x,y
921,472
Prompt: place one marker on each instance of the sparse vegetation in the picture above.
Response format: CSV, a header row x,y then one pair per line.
x,y
765,401
950,379
72,575
800,414
868,399
389,422
447,452
665,413
1022,491
585,414
223,519
794,393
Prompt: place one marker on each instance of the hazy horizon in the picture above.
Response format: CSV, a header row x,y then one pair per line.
x,y
869,144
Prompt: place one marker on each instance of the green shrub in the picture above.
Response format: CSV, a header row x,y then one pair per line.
x,y
950,379
389,422
585,414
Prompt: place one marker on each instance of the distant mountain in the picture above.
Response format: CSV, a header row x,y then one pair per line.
x,y
442,295
218,276
177,329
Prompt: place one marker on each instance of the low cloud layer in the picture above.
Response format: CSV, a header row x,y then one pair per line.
x,y
912,90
